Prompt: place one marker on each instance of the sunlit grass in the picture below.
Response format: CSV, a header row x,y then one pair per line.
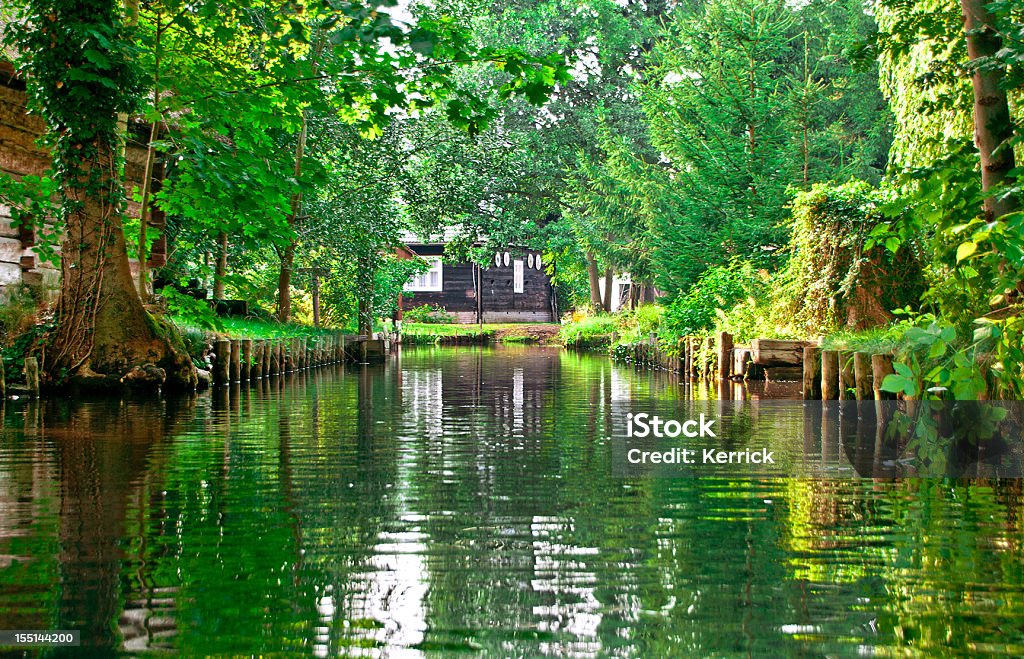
x,y
455,329
251,328
875,340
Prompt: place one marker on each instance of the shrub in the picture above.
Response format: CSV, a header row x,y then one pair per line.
x,y
17,314
719,289
426,313
648,318
591,332
837,276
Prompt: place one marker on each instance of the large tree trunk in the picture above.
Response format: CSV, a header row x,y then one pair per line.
x,y
103,332
364,281
102,327
992,127
284,280
595,282
221,268
609,280
316,300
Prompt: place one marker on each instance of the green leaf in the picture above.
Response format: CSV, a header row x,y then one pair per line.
x,y
965,250
97,58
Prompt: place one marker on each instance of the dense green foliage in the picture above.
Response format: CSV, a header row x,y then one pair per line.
x,y
770,168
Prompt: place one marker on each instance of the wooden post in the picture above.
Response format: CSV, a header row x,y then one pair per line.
x,y
236,360
268,357
847,379
256,367
724,355
829,375
32,375
687,356
881,366
3,383
696,349
862,375
275,356
246,364
812,373
222,367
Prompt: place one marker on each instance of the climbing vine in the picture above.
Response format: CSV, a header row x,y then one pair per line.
x,y
77,61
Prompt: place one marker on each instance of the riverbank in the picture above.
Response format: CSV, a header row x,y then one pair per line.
x,y
237,350
456,334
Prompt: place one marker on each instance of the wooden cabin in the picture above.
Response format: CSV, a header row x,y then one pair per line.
x,y
513,288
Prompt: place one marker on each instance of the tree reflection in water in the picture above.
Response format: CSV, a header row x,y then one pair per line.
x,y
462,499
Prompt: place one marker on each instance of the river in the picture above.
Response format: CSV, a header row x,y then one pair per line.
x,y
461,500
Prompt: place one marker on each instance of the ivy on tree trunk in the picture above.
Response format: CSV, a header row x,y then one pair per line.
x,y
76,56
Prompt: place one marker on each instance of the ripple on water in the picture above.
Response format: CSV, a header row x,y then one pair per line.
x,y
462,501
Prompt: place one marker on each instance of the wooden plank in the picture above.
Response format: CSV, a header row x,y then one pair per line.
x,y
862,375
783,373
11,250
812,373
725,355
847,379
773,352
10,274
222,365
6,230
235,365
32,375
829,375
740,361
881,366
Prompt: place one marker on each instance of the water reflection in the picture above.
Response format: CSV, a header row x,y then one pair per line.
x,y
463,500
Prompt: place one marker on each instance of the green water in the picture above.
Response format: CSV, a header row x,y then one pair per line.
x,y
461,501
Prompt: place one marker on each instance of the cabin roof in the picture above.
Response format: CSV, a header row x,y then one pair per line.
x,y
443,238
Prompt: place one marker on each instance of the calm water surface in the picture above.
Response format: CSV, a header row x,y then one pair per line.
x,y
462,501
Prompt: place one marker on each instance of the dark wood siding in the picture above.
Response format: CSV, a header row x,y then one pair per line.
x,y
500,302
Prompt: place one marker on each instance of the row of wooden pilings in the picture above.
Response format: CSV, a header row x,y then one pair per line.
x,y
246,360
844,375
32,380
824,374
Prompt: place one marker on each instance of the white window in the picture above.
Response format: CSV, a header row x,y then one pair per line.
x,y
431,280
517,276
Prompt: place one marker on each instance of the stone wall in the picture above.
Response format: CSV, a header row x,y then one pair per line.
x,y
20,156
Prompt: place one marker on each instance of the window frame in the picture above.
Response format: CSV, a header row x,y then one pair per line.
x,y
436,265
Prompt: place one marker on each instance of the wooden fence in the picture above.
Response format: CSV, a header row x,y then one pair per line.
x,y
824,374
